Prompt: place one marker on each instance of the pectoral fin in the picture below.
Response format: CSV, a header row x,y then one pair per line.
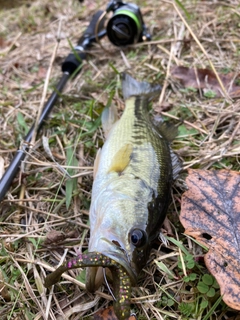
x,y
168,130
109,118
121,159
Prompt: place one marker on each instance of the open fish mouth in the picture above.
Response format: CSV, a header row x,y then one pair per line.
x,y
122,283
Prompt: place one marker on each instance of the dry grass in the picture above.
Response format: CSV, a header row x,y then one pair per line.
x,y
40,224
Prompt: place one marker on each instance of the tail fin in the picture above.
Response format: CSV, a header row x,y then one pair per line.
x,y
132,87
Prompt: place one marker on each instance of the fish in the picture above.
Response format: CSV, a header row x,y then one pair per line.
x,y
133,177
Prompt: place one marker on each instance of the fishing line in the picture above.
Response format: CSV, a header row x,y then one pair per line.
x,y
107,284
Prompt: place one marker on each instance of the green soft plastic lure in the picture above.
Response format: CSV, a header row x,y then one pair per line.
x,y
122,282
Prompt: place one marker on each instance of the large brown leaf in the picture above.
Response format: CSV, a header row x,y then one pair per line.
x,y
211,213
206,79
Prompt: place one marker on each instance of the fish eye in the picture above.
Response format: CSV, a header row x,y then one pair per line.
x,y
138,237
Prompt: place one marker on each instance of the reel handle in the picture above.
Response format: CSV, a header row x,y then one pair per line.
x,y
90,31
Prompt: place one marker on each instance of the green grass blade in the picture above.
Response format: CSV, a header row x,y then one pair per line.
x,y
213,308
22,123
178,244
179,3
71,184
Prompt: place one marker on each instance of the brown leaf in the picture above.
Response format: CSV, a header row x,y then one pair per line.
x,y
206,79
211,214
165,106
42,72
108,314
3,43
55,236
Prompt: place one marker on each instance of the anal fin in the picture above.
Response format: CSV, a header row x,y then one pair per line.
x,y
176,164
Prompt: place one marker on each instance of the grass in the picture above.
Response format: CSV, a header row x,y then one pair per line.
x,y
44,217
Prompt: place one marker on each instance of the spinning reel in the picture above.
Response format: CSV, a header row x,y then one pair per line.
x,y
126,26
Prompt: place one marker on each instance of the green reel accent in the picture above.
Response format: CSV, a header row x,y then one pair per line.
x,y
131,15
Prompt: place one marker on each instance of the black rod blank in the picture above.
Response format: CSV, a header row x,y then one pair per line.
x,y
12,169
71,66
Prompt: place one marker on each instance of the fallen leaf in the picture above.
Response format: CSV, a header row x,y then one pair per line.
x,y
55,236
165,106
42,72
211,214
108,314
3,43
207,80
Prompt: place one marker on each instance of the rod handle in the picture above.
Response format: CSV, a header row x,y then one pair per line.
x,y
74,60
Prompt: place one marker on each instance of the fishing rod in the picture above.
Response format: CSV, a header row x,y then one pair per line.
x,y
71,64
125,27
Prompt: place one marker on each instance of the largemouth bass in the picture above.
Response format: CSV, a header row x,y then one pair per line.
x,y
133,175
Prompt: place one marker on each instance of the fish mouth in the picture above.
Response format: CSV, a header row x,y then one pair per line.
x,y
113,250
121,260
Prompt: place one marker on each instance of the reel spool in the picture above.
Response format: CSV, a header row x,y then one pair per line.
x,y
126,26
